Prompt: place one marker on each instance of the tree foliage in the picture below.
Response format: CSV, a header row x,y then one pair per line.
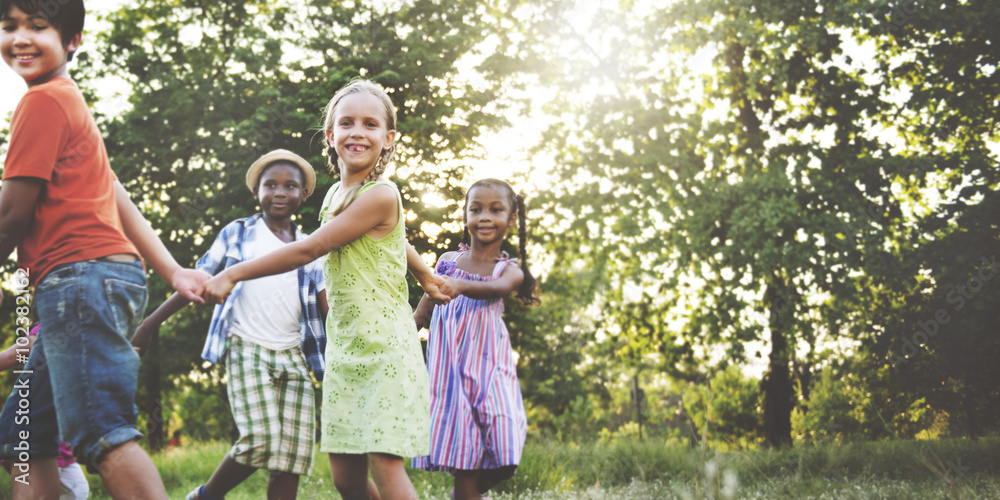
x,y
774,174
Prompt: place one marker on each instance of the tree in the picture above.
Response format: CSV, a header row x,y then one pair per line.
x,y
753,201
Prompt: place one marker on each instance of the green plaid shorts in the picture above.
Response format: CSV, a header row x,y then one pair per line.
x,y
271,396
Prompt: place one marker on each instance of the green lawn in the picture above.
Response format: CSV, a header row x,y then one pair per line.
x,y
651,470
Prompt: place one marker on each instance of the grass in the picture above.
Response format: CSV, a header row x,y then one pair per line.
x,y
651,470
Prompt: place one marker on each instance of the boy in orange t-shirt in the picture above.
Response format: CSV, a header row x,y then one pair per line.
x,y
78,239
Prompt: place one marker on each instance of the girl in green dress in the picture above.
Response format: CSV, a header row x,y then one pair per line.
x,y
375,406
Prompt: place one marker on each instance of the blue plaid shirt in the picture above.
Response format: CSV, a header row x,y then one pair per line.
x,y
228,250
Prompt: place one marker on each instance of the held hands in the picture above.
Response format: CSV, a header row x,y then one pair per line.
x,y
217,289
188,283
452,287
437,288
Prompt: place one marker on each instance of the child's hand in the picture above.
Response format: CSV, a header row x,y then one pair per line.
x,y
188,282
434,286
217,289
144,336
452,287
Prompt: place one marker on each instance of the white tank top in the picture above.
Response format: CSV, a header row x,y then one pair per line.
x,y
268,309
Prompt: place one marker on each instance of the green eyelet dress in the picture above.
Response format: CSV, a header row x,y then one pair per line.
x,y
376,396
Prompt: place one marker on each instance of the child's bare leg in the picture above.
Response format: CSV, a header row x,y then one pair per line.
x,y
228,475
129,473
350,475
282,486
472,484
43,479
390,477
466,485
488,478
373,493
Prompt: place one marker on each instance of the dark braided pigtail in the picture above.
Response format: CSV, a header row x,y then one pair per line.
x,y
526,292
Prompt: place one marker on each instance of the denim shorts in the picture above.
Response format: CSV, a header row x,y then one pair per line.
x,y
88,310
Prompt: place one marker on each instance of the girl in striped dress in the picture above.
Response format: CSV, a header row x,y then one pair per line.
x,y
478,424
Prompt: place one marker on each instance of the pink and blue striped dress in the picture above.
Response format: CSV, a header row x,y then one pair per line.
x,y
477,415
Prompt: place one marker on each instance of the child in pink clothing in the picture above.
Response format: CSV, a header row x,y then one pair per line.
x,y
478,423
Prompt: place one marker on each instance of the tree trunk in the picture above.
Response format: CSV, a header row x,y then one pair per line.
x,y
778,390
638,396
803,371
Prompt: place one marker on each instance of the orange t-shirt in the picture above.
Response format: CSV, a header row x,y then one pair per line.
x,y
53,137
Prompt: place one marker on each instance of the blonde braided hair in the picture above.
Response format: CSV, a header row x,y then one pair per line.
x,y
355,86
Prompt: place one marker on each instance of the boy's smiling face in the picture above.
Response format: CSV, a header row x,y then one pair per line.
x,y
279,190
33,47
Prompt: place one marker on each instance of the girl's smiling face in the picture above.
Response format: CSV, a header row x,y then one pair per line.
x,y
359,133
488,213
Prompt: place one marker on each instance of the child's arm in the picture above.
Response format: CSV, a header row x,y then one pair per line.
x,y
212,262
422,316
8,357
435,286
375,207
138,230
321,303
144,334
18,199
508,281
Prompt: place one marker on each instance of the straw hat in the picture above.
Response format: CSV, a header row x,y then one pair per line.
x,y
285,156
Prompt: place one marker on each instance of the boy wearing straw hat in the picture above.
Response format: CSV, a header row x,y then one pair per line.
x,y
269,333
